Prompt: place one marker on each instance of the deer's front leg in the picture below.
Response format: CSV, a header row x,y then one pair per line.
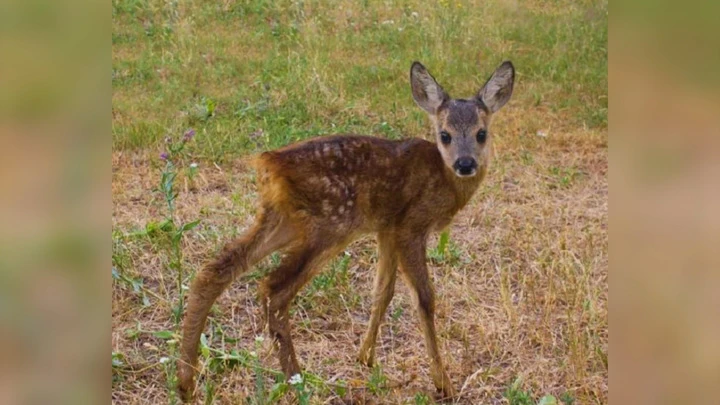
x,y
414,270
382,294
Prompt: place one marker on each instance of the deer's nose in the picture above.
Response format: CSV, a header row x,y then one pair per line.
x,y
465,165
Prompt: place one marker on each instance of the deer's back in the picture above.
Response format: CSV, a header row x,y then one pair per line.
x,y
358,183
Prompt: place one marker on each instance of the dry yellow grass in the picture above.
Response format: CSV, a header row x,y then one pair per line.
x,y
527,296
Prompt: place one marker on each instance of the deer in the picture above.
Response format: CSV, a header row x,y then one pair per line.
x,y
319,195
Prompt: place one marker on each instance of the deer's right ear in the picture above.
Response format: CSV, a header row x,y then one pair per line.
x,y
425,90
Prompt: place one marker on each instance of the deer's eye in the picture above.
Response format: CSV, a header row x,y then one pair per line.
x,y
445,138
482,136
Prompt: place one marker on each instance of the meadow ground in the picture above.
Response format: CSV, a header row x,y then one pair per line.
x,y
522,281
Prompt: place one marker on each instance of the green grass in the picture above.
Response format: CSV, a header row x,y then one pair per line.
x,y
292,70
516,395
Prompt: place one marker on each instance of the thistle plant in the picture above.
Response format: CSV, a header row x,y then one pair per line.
x,y
172,158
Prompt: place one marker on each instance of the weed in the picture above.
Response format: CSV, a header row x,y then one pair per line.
x,y
209,389
121,259
218,361
335,276
526,157
170,369
329,286
563,177
201,111
567,398
297,382
264,268
422,399
516,396
259,374
118,361
377,384
170,232
396,313
548,400
135,283
277,391
175,151
446,252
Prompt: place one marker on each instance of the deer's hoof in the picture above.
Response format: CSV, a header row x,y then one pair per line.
x,y
365,358
186,383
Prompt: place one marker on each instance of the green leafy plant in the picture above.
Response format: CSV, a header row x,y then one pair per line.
x,y
202,111
396,313
567,398
277,391
329,286
422,399
446,251
548,400
168,364
564,176
172,157
516,395
303,392
135,284
377,384
118,362
174,231
304,386
118,359
335,276
259,373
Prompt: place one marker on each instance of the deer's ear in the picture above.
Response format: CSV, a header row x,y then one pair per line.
x,y
425,90
497,90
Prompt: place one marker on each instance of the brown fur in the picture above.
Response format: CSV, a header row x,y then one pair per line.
x,y
319,195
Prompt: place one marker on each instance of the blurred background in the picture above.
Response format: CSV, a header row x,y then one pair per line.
x,y
665,223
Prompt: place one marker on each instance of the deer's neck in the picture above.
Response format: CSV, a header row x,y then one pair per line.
x,y
465,187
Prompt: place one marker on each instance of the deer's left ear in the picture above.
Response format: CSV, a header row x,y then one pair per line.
x,y
497,90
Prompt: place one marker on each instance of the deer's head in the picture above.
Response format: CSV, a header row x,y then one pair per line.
x,y
462,126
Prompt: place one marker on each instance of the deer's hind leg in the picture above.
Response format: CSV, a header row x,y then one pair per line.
x,y
383,291
280,287
270,232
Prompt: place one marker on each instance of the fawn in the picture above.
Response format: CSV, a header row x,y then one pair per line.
x,y
321,194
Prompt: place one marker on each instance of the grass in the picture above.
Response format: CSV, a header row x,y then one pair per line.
x,y
521,275
290,70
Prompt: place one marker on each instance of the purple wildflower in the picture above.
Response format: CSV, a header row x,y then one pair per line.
x,y
189,134
164,156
